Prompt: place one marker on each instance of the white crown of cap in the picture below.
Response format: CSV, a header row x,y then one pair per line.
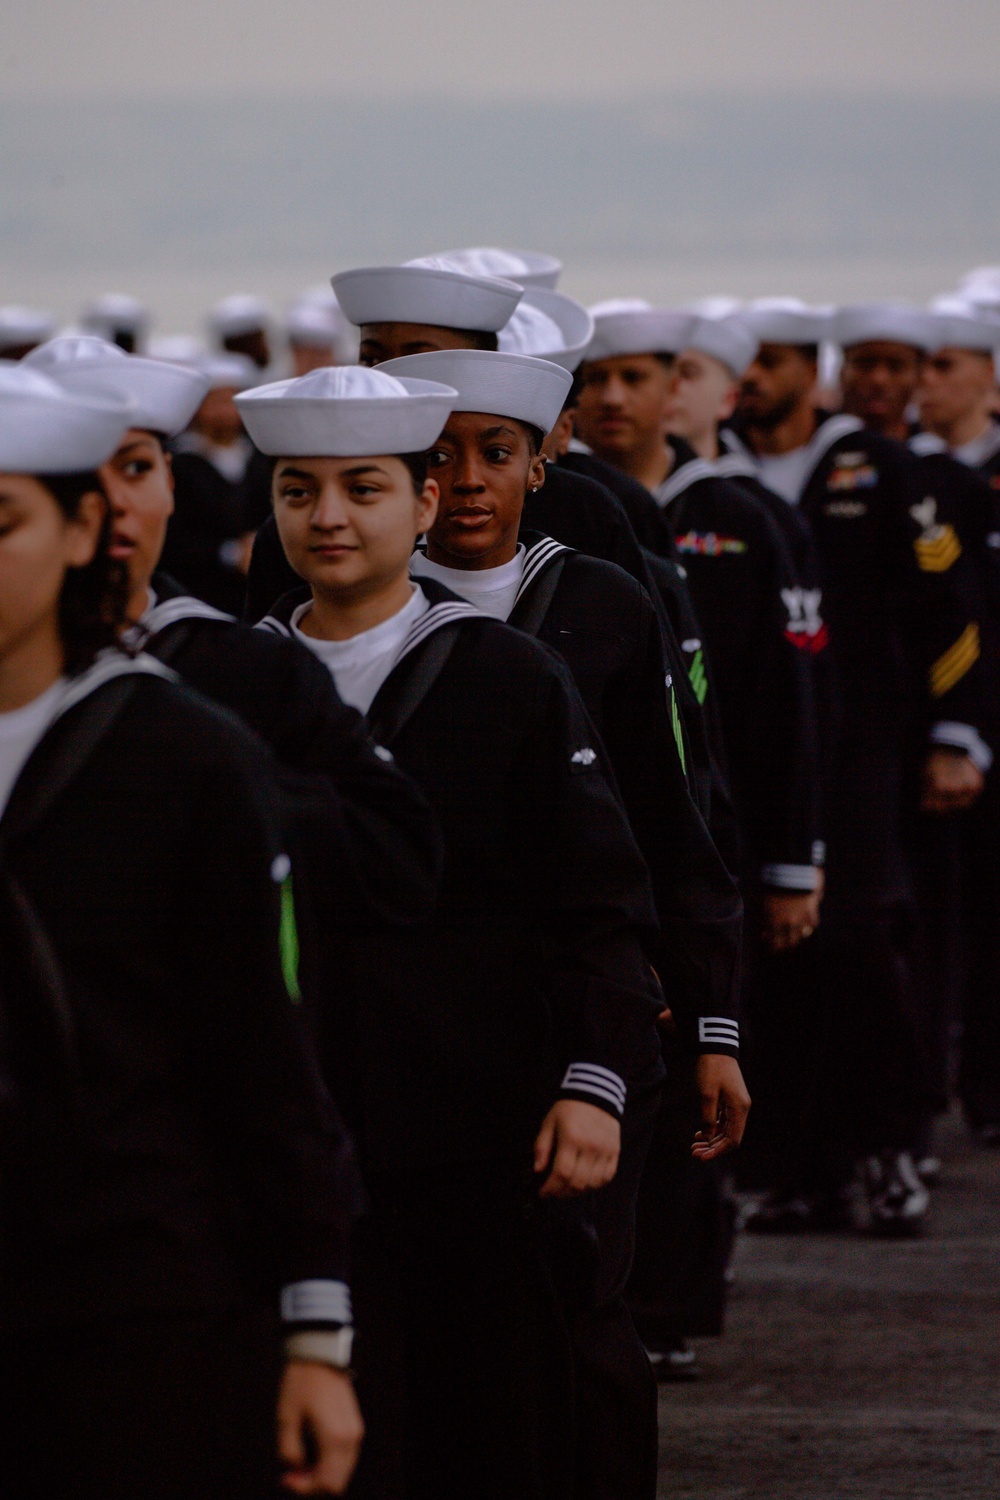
x,y
982,286
47,429
346,411
25,325
881,322
114,311
529,268
314,321
164,397
548,325
957,323
786,320
223,371
239,314
502,385
177,348
727,339
630,325
718,305
429,294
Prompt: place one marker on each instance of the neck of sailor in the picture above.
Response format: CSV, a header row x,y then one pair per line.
x,y
31,665
339,615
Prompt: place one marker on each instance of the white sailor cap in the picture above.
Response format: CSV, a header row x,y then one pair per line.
x,y
727,339
315,320
982,286
881,322
24,325
433,295
503,385
717,306
116,312
177,348
164,397
548,325
629,325
227,372
526,267
957,323
238,315
346,411
786,320
47,429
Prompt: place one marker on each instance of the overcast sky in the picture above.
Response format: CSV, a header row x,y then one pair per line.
x,y
569,48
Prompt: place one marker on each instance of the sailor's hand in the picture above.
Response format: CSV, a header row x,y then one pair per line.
x,y
579,1145
790,917
319,1429
725,1105
951,782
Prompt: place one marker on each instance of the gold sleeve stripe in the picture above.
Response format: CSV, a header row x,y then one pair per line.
x,y
937,556
955,662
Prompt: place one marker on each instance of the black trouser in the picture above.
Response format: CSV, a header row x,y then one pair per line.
x,y
979,1076
616,1390
684,1225
168,1408
463,1352
838,1057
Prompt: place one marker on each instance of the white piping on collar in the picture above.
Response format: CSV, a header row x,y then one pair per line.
x,y
181,607
818,446
108,665
693,472
736,466
536,559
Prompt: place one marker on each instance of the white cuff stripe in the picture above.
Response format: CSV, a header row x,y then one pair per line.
x,y
590,1078
316,1302
964,737
791,877
719,1029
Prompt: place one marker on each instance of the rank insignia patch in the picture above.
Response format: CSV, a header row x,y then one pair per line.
x,y
937,546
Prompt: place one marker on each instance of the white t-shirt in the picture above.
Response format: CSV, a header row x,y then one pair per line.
x,y
786,473
360,666
490,590
20,732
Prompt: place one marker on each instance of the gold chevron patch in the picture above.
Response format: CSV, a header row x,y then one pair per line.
x,y
955,662
938,549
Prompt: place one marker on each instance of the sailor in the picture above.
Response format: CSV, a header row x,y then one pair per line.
x,y
347,808
120,319
496,1047
171,1164
210,536
486,462
317,332
740,575
957,398
23,329
904,658
241,324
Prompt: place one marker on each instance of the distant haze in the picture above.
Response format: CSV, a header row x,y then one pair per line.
x,y
668,196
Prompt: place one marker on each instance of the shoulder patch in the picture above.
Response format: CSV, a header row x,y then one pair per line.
x,y
937,546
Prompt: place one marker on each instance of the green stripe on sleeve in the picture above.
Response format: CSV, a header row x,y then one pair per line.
x,y
289,942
